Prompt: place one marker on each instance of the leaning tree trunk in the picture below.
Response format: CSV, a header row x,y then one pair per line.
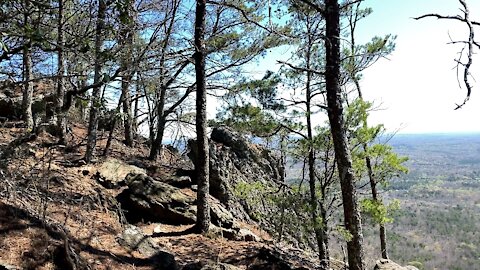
x,y
112,130
375,198
372,180
353,223
96,93
202,162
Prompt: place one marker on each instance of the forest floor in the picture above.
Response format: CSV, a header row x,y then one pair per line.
x,y
53,212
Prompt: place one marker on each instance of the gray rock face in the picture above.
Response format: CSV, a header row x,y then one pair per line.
x,y
5,266
234,161
151,200
135,240
114,171
220,216
10,107
178,181
209,266
384,264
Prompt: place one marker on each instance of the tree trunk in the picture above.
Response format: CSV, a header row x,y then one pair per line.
x,y
161,115
113,125
383,241
96,93
27,74
60,95
127,35
157,142
373,187
353,223
368,161
135,106
202,164
27,88
318,226
127,110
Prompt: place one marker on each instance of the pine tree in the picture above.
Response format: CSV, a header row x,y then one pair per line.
x,y
202,164
95,102
353,222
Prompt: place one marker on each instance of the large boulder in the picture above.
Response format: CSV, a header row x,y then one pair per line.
x,y
115,170
134,239
11,107
268,259
148,199
5,266
219,215
385,264
112,172
209,266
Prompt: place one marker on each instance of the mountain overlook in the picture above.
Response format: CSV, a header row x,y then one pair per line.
x,y
125,212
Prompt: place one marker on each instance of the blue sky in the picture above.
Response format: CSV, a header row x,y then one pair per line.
x,y
416,88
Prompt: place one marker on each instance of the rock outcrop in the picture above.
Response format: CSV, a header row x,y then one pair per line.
x,y
384,264
234,162
148,199
11,107
112,172
135,240
209,266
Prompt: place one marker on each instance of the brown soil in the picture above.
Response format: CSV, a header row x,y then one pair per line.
x,y
47,196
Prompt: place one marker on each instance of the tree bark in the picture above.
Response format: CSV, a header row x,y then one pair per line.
x,y
368,161
113,124
162,95
373,188
353,223
27,73
318,225
157,142
202,164
135,106
127,35
96,93
60,94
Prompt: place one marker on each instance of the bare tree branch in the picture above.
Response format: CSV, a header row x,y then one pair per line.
x,y
468,49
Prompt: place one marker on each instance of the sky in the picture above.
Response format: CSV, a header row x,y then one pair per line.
x,y
416,88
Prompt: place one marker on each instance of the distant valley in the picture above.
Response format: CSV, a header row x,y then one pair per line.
x,y
438,226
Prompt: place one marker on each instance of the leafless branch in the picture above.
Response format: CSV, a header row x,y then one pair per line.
x,y
468,49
